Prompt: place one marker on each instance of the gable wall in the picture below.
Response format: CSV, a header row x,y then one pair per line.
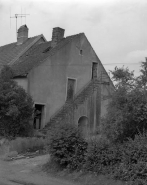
x,y
48,82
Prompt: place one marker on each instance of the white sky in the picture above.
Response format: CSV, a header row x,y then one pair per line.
x,y
116,29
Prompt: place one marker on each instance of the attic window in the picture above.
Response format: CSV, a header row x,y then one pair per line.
x,y
81,52
46,50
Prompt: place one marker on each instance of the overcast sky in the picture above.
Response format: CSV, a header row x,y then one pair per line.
x,y
116,29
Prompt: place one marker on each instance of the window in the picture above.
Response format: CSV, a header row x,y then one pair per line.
x,y
47,49
81,52
94,70
70,89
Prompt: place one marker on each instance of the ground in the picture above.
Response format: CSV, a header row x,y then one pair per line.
x,y
27,172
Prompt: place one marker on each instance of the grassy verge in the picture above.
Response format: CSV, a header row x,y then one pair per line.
x,y
21,146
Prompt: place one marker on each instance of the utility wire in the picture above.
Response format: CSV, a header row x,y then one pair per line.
x,y
85,64
123,63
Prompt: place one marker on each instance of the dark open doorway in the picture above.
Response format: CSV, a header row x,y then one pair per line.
x,y
83,125
38,116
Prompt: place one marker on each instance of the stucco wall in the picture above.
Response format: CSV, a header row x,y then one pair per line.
x,y
91,108
48,82
23,82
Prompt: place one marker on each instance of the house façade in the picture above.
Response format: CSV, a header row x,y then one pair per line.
x,y
64,76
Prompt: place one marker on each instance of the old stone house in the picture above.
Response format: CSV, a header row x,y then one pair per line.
x,y
64,76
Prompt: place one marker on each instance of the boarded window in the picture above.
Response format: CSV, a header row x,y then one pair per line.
x,y
70,89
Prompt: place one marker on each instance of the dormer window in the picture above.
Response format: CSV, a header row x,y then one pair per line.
x,y
46,50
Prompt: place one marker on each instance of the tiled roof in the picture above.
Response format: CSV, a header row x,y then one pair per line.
x,y
37,55
10,52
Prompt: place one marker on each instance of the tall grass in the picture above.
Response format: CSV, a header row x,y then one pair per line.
x,y
32,144
21,145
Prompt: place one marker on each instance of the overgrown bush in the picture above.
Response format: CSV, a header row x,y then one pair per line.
x,y
133,172
102,157
26,130
123,161
127,110
134,160
16,106
66,146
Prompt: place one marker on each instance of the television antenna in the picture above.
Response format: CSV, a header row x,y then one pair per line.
x,y
16,16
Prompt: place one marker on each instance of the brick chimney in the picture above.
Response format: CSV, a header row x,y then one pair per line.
x,y
57,35
22,34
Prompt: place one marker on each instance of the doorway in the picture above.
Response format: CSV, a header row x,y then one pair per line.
x,y
38,116
94,70
70,89
83,125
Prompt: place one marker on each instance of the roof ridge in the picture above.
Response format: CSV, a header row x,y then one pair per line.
x,y
7,44
75,35
16,42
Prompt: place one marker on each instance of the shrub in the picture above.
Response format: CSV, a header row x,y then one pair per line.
x,y
134,160
135,150
66,146
102,157
26,130
126,161
133,172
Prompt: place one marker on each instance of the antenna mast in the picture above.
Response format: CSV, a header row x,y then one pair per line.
x,y
18,16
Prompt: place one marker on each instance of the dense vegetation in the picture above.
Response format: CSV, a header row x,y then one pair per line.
x,y
67,146
16,106
123,154
127,112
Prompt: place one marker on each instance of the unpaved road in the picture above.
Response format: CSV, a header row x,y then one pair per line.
x,y
27,172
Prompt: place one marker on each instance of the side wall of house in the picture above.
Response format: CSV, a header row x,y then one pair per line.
x,y
48,82
23,82
106,90
91,109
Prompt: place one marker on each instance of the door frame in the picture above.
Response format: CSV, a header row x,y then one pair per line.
x,y
75,88
44,113
92,69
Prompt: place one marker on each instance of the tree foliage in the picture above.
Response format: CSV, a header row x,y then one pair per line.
x,y
16,106
127,112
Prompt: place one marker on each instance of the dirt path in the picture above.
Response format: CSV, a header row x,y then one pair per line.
x,y
27,172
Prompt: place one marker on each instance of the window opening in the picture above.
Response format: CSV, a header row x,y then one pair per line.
x,y
94,70
46,50
70,89
83,125
81,52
